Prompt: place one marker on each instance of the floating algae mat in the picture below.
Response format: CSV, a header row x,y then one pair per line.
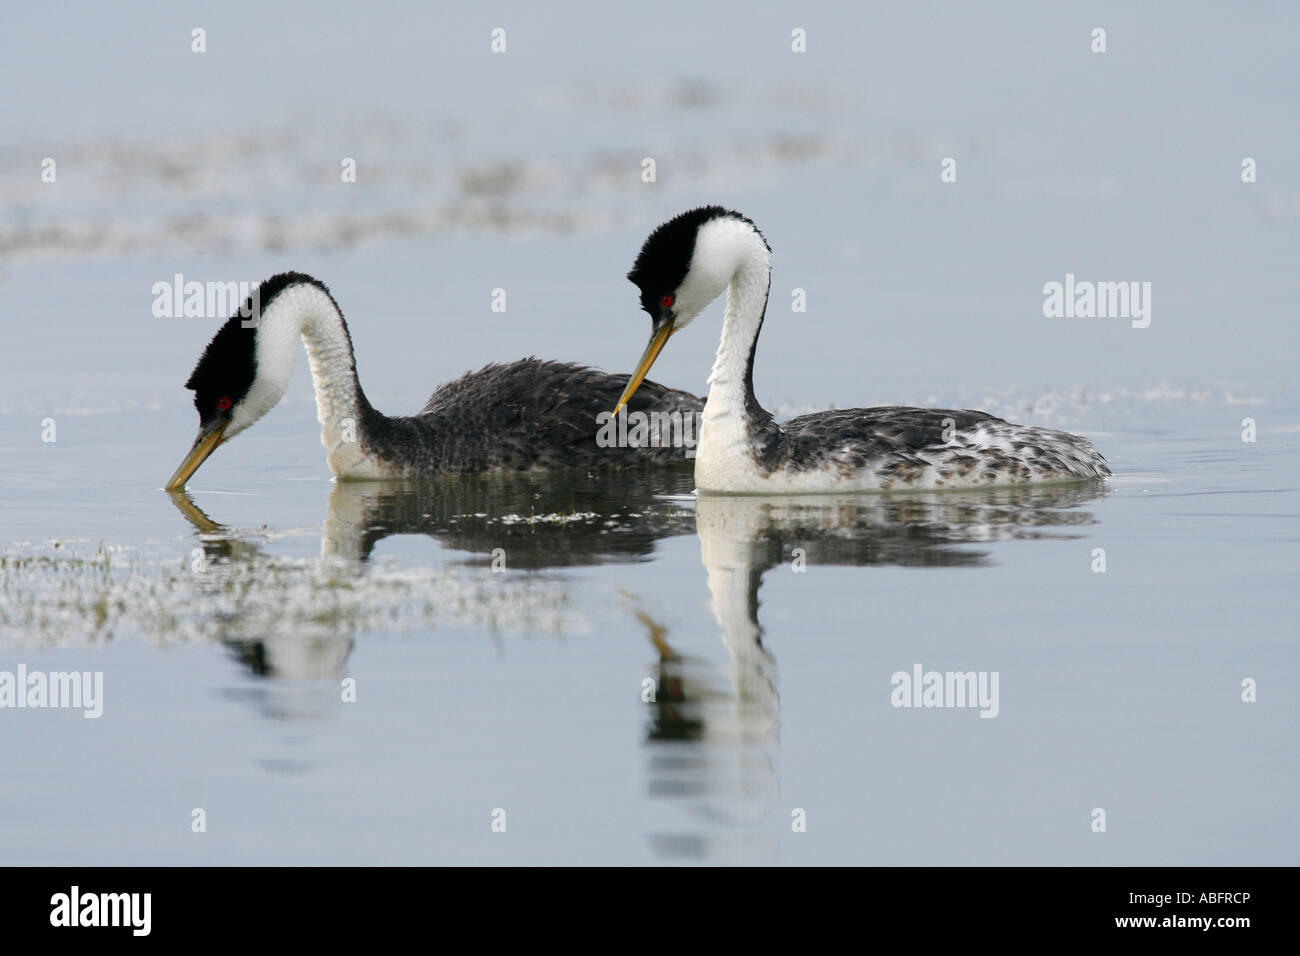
x,y
230,590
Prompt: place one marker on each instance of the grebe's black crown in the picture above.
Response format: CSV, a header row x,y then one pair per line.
x,y
665,258
228,365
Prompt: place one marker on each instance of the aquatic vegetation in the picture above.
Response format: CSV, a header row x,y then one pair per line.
x,y
53,596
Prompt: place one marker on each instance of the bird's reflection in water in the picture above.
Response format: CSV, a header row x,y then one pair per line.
x,y
280,624
309,657
715,749
540,521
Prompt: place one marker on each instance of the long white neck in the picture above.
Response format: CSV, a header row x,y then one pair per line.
x,y
731,254
305,311
729,382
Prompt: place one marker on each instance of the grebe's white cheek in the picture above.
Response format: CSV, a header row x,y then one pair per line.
x,y
696,294
701,287
682,319
233,429
240,419
263,396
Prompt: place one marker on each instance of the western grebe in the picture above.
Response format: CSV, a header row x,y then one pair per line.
x,y
525,415
687,263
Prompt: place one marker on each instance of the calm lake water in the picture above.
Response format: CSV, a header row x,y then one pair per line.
x,y
496,639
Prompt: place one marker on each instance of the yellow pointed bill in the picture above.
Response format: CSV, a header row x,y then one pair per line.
x,y
657,342
207,442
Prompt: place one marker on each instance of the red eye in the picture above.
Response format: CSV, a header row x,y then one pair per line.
x,y
223,403
666,301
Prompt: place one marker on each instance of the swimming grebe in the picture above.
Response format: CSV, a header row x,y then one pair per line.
x,y
688,262
525,415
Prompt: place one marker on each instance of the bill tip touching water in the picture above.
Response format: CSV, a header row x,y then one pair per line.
x,y
690,260
528,415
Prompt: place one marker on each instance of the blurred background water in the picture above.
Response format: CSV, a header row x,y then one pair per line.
x,y
522,689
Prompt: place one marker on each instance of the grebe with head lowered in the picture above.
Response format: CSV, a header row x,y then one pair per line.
x,y
687,263
527,415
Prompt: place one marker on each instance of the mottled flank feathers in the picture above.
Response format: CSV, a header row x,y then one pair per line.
x,y
900,447
529,414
